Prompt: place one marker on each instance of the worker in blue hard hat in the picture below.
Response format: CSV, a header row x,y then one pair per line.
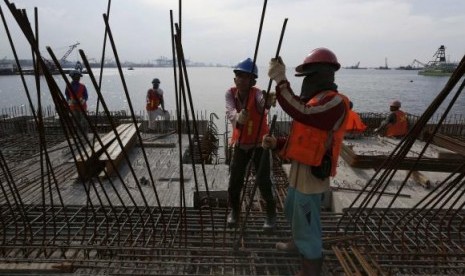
x,y
76,96
155,104
245,104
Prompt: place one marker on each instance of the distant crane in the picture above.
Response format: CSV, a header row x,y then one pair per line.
x,y
356,66
51,66
415,65
70,49
416,62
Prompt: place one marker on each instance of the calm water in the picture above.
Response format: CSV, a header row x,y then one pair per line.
x,y
370,90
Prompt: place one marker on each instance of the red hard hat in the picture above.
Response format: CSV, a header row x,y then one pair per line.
x,y
318,55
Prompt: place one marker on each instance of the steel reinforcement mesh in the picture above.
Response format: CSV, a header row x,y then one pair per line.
x,y
91,241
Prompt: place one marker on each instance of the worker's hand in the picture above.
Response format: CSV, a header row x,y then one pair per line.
x,y
82,101
242,117
270,100
269,142
277,70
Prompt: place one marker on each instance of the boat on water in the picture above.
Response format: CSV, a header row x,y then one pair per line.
x,y
415,65
356,66
385,67
439,66
7,69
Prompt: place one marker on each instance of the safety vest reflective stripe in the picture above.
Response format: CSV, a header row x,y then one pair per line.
x,y
307,144
75,97
250,129
153,100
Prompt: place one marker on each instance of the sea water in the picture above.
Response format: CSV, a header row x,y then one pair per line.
x,y
370,90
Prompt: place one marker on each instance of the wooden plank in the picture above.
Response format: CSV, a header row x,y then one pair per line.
x,y
88,166
107,139
115,151
375,161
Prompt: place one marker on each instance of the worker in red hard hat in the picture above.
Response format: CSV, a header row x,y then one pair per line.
x,y
396,124
319,116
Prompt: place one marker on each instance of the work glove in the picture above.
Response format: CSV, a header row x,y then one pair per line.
x,y
82,101
270,100
268,142
277,70
242,117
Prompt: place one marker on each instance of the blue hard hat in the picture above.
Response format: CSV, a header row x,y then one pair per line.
x,y
246,66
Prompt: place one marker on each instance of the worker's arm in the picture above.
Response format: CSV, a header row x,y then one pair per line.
x,y
391,119
231,111
162,100
323,116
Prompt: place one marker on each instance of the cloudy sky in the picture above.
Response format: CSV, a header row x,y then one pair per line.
x,y
226,31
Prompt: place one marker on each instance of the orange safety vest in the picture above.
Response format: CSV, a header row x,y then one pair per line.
x,y
153,100
249,130
75,97
307,144
400,127
354,123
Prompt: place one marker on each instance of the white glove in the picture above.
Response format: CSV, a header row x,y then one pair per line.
x,y
270,100
242,117
277,70
268,142
82,101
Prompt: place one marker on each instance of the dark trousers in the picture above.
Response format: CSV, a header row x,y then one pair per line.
x,y
238,169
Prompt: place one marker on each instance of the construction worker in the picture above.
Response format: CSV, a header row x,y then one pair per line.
x,y
396,124
313,145
355,126
154,100
77,97
245,104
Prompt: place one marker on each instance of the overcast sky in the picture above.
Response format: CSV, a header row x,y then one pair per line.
x,y
226,31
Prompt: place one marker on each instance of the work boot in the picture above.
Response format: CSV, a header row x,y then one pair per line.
x,y
232,219
287,246
311,267
270,222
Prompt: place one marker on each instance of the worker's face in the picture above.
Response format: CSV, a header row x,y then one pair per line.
x,y
244,81
76,77
156,85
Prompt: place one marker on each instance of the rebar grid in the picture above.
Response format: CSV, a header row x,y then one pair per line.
x,y
126,245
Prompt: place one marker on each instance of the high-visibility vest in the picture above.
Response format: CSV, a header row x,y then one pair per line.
x,y
75,97
250,129
153,100
308,145
400,127
354,123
